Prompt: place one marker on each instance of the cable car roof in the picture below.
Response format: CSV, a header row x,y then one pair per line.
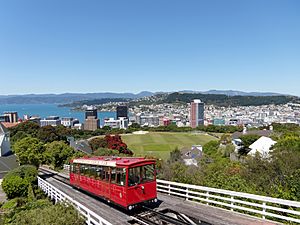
x,y
113,161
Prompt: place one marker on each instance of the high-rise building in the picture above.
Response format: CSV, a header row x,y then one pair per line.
x,y
4,118
91,124
91,119
122,111
13,116
197,113
91,112
50,120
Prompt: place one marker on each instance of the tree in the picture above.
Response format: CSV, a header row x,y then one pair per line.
x,y
248,139
211,147
57,153
28,127
29,151
18,136
225,139
14,186
289,142
98,142
16,182
53,214
175,156
48,134
135,126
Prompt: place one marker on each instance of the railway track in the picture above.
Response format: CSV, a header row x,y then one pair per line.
x,y
164,217
146,215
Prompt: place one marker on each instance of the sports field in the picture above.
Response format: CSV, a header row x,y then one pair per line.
x,y
160,144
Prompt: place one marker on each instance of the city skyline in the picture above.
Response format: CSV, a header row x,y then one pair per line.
x,y
79,47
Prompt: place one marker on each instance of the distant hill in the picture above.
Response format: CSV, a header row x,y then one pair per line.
x,y
67,97
240,93
213,96
232,93
95,102
226,100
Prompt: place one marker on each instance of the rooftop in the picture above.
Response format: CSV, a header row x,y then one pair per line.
x,y
113,161
9,125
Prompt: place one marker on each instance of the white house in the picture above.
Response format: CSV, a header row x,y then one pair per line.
x,y
262,146
191,157
4,141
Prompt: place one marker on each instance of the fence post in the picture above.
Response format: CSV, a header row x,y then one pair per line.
x,y
207,197
264,210
169,189
232,203
187,194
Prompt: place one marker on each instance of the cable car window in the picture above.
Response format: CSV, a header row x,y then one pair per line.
x,y
107,173
141,174
102,173
86,170
113,175
120,176
93,171
147,173
98,172
77,168
134,176
82,169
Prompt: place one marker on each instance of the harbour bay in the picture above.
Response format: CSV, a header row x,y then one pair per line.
x,y
45,110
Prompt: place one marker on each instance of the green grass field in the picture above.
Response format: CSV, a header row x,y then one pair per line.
x,y
160,144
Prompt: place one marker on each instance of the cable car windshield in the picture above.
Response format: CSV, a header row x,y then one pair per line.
x,y
141,174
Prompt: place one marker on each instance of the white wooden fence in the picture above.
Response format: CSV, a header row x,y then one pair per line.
x,y
59,196
242,202
256,205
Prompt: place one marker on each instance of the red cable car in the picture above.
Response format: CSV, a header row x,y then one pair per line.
x,y
125,181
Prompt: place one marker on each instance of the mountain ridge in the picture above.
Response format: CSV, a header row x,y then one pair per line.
x,y
64,98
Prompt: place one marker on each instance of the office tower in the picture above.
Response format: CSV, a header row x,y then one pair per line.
x,y
50,121
91,119
122,111
13,116
91,112
197,113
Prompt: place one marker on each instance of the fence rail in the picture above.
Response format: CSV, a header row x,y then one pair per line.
x,y
235,201
257,205
58,196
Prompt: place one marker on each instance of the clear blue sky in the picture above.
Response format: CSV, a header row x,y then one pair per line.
x,y
59,46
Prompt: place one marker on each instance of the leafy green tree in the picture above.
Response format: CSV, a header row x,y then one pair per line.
x,y
225,139
175,156
14,186
293,183
98,142
248,139
16,182
286,127
289,142
29,151
57,153
28,127
53,214
225,175
135,125
48,134
18,136
226,150
211,148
